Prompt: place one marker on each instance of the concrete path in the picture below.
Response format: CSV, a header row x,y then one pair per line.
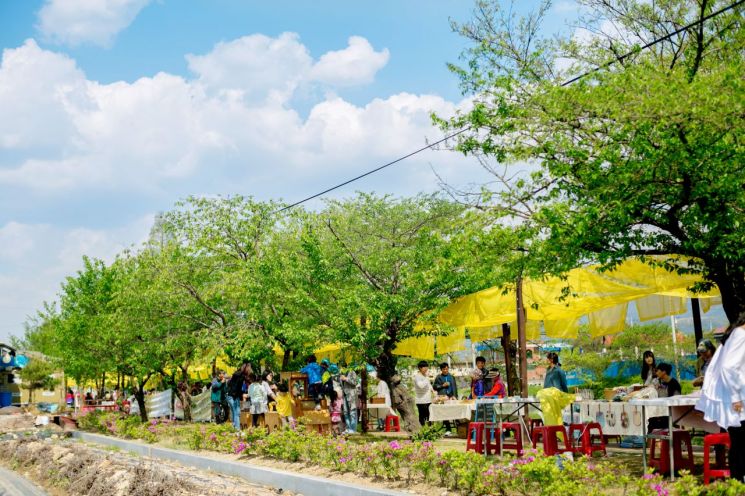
x,y
13,484
307,485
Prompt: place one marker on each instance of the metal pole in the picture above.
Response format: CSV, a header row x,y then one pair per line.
x,y
522,339
696,311
675,347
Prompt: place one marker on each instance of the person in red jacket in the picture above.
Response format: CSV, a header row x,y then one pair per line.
x,y
498,388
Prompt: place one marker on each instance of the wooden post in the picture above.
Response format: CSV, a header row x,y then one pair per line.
x,y
696,311
522,341
363,398
509,365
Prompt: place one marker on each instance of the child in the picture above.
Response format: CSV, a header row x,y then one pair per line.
x,y
315,382
285,403
336,407
257,397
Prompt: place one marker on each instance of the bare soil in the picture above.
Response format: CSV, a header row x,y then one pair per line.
x,y
71,468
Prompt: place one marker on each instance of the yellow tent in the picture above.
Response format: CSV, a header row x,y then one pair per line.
x,y
601,296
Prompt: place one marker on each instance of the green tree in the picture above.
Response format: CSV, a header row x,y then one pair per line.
x,y
38,374
642,158
382,268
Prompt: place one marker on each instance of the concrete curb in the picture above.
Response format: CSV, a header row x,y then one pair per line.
x,y
306,485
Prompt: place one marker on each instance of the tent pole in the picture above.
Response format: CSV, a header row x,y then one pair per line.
x,y
696,311
522,339
675,347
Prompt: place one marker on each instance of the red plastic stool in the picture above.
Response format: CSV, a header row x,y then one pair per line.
x,y
720,468
588,434
534,423
661,463
517,431
475,437
391,423
549,435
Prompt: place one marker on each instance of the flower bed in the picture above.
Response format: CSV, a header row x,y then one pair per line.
x,y
412,462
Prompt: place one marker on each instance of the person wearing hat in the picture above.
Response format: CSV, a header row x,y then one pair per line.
x,y
705,353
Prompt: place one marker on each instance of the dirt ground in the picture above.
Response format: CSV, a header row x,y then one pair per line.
x,y
65,467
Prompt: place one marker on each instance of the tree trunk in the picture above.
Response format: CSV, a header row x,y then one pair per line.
x,y
140,397
102,391
731,283
30,395
363,399
401,399
184,394
286,359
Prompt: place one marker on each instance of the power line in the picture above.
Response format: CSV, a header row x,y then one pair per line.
x,y
654,42
376,169
565,83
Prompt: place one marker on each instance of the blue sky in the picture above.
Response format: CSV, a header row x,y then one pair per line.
x,y
113,110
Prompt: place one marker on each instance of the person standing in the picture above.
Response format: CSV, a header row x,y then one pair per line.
x,y
555,377
445,386
315,379
349,384
218,396
723,393
235,394
422,392
258,398
478,376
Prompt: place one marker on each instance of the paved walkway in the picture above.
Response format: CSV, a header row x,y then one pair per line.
x,y
13,484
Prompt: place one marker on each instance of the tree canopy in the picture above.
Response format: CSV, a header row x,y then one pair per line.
x,y
643,157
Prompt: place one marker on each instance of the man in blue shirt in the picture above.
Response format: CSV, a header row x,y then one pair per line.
x,y
315,379
445,386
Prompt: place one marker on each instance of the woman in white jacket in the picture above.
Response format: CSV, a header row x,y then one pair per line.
x,y
423,392
723,393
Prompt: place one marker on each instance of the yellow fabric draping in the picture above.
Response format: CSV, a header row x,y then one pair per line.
x,y
590,291
452,342
609,320
565,328
655,306
422,347
478,334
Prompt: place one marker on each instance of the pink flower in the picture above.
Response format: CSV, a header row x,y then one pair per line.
x,y
394,445
240,447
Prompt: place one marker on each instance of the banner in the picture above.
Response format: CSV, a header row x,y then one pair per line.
x,y
157,405
200,408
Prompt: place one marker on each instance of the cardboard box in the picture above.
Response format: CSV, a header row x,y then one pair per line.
x,y
316,417
377,401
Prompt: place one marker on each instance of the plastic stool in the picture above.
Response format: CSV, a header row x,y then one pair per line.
x,y
720,469
516,429
475,437
588,433
391,423
534,423
549,435
661,463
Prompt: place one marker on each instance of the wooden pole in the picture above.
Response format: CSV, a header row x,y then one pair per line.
x,y
509,365
522,341
696,311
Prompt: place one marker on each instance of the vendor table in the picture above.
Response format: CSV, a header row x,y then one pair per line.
x,y
456,410
683,405
616,418
512,406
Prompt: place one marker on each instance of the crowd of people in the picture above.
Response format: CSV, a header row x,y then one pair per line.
x,y
259,393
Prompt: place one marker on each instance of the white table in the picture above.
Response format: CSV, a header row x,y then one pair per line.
x,y
455,410
514,404
682,404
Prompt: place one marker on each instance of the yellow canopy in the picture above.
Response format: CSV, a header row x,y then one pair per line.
x,y
601,296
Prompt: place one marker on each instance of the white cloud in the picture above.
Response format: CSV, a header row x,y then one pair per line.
x,y
73,22
356,64
76,133
254,66
565,6
35,259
